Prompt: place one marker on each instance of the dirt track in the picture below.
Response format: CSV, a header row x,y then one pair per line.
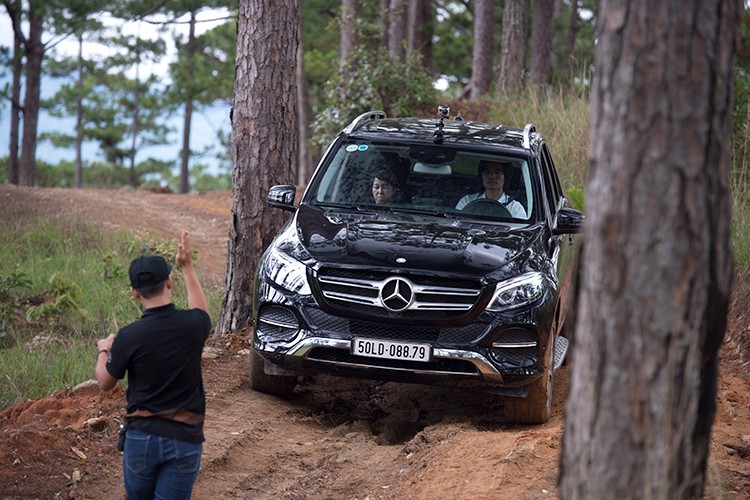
x,y
334,438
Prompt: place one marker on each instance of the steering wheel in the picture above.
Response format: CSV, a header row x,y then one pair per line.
x,y
486,206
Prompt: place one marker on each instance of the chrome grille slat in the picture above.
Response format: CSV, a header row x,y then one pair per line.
x,y
346,286
356,299
349,282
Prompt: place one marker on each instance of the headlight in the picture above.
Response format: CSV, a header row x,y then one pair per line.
x,y
286,271
517,292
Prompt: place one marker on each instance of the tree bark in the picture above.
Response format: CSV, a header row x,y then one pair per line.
x,y
349,16
657,262
513,46
385,17
484,24
15,106
135,122
188,119
541,41
397,30
34,55
419,32
264,143
78,175
570,44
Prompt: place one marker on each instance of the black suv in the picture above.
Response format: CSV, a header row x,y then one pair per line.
x,y
403,263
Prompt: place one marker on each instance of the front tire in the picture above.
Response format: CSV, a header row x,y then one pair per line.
x,y
536,407
278,385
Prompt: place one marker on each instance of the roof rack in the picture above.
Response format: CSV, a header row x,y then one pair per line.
x,y
369,116
527,131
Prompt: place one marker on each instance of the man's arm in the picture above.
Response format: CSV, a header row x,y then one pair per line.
x,y
184,259
103,378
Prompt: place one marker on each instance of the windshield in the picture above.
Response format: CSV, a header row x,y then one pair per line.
x,y
441,179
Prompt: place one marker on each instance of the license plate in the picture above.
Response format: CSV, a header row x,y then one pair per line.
x,y
391,350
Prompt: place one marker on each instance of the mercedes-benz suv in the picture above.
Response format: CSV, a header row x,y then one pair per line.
x,y
441,282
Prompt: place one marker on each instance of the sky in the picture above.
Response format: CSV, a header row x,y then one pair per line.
x,y
205,124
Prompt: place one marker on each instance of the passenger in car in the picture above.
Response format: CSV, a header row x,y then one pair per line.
x,y
492,176
382,184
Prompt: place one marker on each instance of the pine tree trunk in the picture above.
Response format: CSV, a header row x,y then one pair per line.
x,y
513,46
397,30
264,143
484,24
15,109
419,32
78,175
34,55
541,42
188,118
657,260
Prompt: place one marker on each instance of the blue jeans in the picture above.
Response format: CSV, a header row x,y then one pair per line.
x,y
159,467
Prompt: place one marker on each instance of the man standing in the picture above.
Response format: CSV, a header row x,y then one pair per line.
x,y
161,353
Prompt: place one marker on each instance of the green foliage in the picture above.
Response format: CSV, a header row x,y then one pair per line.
x,y
741,244
208,76
96,174
454,41
10,286
562,117
41,366
740,178
63,295
373,81
66,278
576,197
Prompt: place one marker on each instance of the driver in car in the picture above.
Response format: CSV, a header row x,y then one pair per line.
x,y
492,180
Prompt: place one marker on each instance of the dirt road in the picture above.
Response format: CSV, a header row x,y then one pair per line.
x,y
334,438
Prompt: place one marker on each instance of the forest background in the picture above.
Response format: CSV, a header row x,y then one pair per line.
x,y
125,91
508,62
505,62
141,71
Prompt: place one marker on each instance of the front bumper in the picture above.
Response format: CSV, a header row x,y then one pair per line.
x,y
448,366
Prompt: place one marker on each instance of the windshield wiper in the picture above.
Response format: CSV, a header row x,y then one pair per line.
x,y
350,206
421,211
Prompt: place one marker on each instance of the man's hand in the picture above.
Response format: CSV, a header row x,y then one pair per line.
x,y
184,257
184,260
105,344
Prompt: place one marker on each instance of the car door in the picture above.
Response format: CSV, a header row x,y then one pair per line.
x,y
562,246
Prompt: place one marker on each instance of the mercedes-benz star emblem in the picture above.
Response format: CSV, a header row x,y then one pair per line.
x,y
396,294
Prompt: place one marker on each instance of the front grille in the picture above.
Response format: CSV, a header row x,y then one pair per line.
x,y
425,297
436,365
327,325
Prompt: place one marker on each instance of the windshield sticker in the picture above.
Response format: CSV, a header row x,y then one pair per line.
x,y
363,147
351,147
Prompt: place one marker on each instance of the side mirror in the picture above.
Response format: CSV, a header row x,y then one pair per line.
x,y
282,197
569,221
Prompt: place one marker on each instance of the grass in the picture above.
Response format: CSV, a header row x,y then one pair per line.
x,y
61,286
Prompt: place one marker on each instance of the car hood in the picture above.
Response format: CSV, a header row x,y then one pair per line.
x,y
413,241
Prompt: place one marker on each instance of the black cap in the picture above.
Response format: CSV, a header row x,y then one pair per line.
x,y
148,270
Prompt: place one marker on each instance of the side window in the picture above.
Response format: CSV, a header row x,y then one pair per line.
x,y
552,190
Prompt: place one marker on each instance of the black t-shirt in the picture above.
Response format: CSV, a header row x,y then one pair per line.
x,y
161,354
